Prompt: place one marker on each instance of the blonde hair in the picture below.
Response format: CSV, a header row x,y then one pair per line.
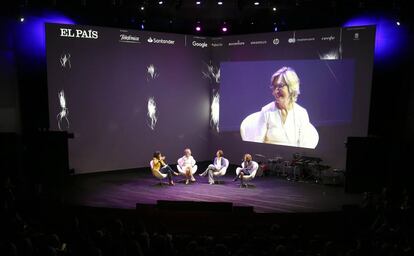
x,y
289,77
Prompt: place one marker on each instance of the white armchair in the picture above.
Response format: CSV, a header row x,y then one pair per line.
x,y
249,177
251,128
157,174
182,172
310,136
222,172
180,169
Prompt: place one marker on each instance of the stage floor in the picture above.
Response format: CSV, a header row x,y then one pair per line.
x,y
269,194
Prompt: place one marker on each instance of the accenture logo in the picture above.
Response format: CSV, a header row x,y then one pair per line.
x,y
128,38
160,41
199,44
236,43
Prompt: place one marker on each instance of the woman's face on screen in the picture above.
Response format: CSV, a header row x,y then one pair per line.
x,y
281,94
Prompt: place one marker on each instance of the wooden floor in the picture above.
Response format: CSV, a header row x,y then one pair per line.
x,y
269,194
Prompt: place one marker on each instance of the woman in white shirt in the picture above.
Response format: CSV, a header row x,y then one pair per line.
x,y
283,121
187,165
220,164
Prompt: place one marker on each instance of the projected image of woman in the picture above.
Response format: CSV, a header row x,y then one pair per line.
x,y
283,121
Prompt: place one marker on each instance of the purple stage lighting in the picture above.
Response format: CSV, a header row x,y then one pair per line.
x,y
198,28
32,31
224,29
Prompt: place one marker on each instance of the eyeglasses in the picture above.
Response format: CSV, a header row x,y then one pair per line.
x,y
277,86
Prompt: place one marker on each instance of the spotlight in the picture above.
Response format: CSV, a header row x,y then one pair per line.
x,y
398,23
160,2
21,19
142,8
224,29
256,3
198,2
220,2
275,26
142,26
274,9
198,28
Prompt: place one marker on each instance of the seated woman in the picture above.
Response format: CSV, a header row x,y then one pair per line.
x,y
220,164
158,164
188,166
249,167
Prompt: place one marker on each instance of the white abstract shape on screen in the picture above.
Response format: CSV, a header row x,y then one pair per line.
x,y
152,113
64,112
215,111
332,55
65,61
151,72
217,76
212,73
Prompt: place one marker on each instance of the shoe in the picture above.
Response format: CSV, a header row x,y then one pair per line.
x,y
193,180
201,175
186,182
176,173
171,183
235,179
211,183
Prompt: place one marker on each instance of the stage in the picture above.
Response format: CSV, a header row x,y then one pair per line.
x,y
124,189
